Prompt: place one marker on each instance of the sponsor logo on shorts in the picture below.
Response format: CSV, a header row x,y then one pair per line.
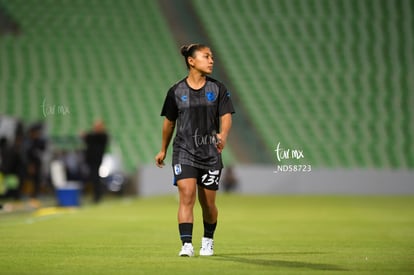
x,y
214,172
177,169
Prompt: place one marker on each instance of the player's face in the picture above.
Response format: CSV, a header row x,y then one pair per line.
x,y
202,61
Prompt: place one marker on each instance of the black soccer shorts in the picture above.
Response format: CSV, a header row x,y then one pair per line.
x,y
208,179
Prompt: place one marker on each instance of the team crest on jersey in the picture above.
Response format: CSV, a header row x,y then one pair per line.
x,y
211,96
177,169
183,98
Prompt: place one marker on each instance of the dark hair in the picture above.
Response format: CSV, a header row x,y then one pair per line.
x,y
189,50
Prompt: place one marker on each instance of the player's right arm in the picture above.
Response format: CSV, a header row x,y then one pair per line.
x,y
167,132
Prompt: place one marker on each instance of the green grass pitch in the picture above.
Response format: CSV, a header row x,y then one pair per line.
x,y
255,235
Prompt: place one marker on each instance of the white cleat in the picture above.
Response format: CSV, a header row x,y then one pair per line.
x,y
187,250
207,247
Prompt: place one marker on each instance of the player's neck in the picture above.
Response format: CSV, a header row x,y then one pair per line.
x,y
196,80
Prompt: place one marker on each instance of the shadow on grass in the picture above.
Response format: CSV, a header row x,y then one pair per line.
x,y
255,259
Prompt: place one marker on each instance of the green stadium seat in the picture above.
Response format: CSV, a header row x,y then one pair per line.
x,y
317,72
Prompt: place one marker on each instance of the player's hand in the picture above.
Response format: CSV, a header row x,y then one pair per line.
x,y
159,159
221,142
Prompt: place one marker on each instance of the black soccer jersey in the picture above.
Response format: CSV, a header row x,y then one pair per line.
x,y
197,114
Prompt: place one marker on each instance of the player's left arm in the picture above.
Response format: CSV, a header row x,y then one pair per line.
x,y
225,124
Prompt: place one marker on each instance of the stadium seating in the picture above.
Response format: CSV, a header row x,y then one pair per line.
x,y
333,78
76,61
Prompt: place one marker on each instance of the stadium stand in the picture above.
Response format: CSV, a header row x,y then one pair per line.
x,y
76,61
333,78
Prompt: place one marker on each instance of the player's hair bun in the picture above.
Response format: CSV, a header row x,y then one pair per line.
x,y
185,50
188,50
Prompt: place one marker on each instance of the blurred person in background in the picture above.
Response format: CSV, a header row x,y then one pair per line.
x,y
35,149
201,108
3,164
96,142
11,167
229,180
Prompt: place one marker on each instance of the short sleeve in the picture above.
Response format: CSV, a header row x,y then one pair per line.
x,y
170,109
225,104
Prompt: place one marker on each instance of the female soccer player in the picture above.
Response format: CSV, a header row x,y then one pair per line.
x,y
201,109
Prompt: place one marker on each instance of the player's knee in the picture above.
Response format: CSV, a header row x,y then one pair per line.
x,y
187,202
187,199
208,206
